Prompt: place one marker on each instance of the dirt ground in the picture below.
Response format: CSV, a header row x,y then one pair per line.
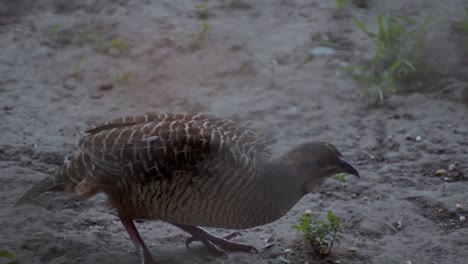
x,y
249,66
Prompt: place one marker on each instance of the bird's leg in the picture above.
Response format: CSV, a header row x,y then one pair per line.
x,y
140,246
214,243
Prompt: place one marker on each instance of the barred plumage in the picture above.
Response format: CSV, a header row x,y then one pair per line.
x,y
191,170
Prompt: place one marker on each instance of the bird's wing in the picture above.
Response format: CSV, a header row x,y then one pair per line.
x,y
157,145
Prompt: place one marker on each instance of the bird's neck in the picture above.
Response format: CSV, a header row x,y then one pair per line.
x,y
281,188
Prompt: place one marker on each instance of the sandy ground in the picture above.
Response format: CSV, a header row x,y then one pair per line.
x,y
247,67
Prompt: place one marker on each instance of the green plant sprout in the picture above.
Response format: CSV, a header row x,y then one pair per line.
x,y
341,177
320,234
117,44
77,68
400,45
339,4
206,27
83,35
8,255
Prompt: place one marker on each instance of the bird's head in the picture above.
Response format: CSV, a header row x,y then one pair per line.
x,y
314,161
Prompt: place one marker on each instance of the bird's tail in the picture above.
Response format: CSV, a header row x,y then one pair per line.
x,y
65,179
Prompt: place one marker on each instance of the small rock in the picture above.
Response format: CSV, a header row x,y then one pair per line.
x,y
399,225
353,249
446,179
361,3
365,198
459,206
418,138
462,218
321,51
308,212
440,172
409,262
106,87
452,167
7,107
70,83
271,241
96,95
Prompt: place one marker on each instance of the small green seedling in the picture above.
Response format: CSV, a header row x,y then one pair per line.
x,y
206,27
117,44
400,46
339,4
77,67
203,12
204,31
201,35
8,255
320,234
341,177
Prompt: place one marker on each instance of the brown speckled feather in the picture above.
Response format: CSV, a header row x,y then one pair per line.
x,y
152,146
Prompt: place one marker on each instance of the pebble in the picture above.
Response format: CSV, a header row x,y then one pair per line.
x,y
452,167
70,83
459,206
409,262
353,249
462,218
446,179
440,172
321,51
96,96
418,138
308,212
8,107
106,87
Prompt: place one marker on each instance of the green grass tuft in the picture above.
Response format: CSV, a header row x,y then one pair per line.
x,y
400,48
320,234
8,255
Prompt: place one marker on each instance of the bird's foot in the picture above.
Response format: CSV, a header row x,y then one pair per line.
x,y
216,244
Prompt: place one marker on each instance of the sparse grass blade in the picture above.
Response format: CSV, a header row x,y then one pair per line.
x,y
8,255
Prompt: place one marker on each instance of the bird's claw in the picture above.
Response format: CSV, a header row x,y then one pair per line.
x,y
219,244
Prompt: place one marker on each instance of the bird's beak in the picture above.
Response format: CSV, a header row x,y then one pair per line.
x,y
348,168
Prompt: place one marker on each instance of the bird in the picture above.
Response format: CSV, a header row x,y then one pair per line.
x,y
191,170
